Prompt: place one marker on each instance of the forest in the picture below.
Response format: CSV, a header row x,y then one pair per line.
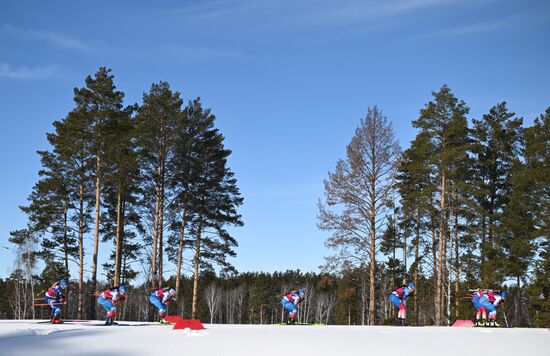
x,y
465,206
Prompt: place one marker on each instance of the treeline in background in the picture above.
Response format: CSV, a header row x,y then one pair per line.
x,y
465,206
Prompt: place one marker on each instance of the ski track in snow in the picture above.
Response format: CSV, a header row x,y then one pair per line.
x,y
31,338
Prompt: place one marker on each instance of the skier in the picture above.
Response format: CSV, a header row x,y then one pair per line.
x,y
108,299
480,310
398,297
54,296
490,301
290,301
161,298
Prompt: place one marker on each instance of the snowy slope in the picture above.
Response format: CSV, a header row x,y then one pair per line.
x,y
30,338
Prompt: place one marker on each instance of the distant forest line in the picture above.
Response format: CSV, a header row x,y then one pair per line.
x,y
465,206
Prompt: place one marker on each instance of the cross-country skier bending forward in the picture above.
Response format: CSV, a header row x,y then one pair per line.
x,y
490,301
398,297
161,298
290,301
109,298
54,295
480,310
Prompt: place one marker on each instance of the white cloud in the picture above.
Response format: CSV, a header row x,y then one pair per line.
x,y
8,71
466,29
58,39
310,12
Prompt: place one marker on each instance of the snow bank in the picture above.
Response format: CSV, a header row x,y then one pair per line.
x,y
31,338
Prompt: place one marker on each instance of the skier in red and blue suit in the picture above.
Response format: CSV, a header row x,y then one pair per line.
x,y
54,296
290,301
161,298
490,301
108,299
480,310
398,297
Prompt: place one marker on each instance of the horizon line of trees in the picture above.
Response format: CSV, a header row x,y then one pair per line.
x,y
150,178
466,205
469,201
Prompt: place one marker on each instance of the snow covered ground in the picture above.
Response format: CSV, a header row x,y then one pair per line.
x,y
87,338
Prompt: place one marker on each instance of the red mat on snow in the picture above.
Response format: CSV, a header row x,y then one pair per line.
x,y
181,323
465,323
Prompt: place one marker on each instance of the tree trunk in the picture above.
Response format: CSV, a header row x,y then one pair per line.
x,y
118,249
363,294
180,253
96,235
417,264
65,236
405,251
440,261
372,301
457,270
161,231
156,235
196,275
80,251
434,256
482,249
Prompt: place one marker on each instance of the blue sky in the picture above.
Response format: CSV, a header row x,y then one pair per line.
x,y
288,81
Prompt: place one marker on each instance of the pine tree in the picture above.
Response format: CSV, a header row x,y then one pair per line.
x,y
444,121
215,200
60,202
416,187
48,211
186,168
533,196
121,187
496,147
101,104
156,124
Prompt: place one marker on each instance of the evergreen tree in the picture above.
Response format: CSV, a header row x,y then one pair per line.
x,y
186,168
48,211
416,187
444,122
215,200
532,194
101,104
156,124
121,187
60,202
496,148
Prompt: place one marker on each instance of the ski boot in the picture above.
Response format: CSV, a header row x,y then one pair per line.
x,y
162,321
291,322
56,320
404,322
109,321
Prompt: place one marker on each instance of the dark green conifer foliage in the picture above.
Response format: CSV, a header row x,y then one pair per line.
x,y
187,169
59,207
496,148
101,104
121,189
534,183
443,121
48,211
416,187
156,124
214,201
